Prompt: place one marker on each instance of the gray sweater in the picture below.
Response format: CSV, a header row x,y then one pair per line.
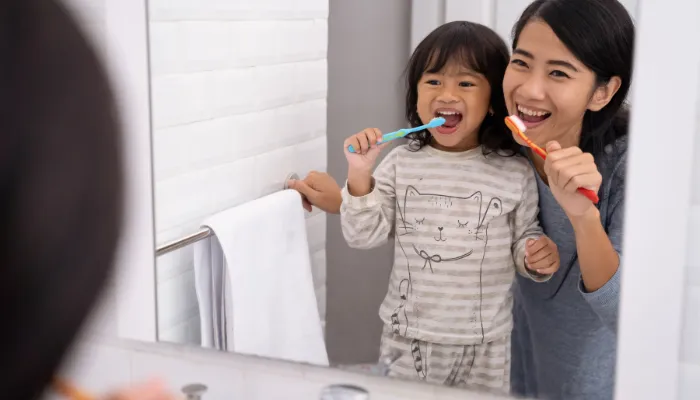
x,y
565,340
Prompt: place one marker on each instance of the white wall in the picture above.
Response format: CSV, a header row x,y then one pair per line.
x,y
499,15
690,345
239,101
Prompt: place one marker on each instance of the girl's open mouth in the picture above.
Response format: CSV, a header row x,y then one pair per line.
x,y
532,117
452,120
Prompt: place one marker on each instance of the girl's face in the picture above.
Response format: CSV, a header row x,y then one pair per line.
x,y
461,96
548,88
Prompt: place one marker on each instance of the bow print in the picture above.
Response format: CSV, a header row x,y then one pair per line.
x,y
437,258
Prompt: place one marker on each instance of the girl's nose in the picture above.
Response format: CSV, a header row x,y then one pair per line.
x,y
447,96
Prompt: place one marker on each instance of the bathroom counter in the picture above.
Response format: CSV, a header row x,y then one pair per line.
x,y
100,364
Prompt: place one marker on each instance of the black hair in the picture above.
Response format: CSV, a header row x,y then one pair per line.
x,y
61,187
483,51
600,33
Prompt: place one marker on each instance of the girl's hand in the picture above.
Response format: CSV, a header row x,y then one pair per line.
x,y
366,150
542,256
567,170
319,189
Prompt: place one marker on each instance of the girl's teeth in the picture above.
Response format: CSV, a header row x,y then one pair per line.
x,y
447,113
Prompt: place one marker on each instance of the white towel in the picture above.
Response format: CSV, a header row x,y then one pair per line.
x,y
254,283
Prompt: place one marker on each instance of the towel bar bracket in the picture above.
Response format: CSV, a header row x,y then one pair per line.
x,y
201,234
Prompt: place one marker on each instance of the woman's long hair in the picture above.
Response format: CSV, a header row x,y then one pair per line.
x,y
61,189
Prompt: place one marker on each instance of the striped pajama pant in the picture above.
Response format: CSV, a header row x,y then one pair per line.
x,y
483,367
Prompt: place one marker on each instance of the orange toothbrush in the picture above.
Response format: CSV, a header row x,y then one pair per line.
x,y
518,127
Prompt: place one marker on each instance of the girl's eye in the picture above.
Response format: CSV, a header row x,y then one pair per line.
x,y
558,74
518,62
432,82
466,84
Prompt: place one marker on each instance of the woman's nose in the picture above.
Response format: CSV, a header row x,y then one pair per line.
x,y
532,88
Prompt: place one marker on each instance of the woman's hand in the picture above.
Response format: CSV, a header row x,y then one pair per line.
x,y
567,170
318,189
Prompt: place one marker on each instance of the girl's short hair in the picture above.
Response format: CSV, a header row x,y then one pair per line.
x,y
482,50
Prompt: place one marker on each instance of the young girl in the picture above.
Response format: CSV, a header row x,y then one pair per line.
x,y
462,206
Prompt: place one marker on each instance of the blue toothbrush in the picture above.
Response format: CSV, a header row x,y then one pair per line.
x,y
434,123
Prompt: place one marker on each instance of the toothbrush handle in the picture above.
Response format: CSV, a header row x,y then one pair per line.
x,y
387,137
592,196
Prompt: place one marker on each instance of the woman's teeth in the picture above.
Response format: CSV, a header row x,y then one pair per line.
x,y
532,113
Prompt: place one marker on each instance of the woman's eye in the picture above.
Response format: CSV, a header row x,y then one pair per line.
x,y
466,84
518,62
558,74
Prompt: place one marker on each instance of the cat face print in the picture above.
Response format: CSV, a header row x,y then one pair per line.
x,y
452,223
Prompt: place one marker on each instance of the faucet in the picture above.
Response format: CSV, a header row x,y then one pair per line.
x,y
352,392
194,391
344,392
386,361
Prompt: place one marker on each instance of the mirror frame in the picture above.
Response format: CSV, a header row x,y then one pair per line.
x,y
644,370
128,308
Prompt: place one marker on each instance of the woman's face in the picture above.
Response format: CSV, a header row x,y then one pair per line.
x,y
548,88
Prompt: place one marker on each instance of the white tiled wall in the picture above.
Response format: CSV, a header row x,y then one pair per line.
x,y
690,347
239,102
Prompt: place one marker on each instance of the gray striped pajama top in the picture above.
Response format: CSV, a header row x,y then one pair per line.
x,y
459,222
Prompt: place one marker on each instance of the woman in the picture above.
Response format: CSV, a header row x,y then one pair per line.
x,y
61,183
568,78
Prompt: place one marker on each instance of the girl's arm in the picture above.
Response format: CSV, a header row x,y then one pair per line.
x,y
525,226
368,210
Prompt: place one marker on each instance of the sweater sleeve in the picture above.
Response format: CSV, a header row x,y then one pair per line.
x,y
525,226
368,221
605,300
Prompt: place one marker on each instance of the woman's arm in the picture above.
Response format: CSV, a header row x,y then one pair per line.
x,y
597,257
598,247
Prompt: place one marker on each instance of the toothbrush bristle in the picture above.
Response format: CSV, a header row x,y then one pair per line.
x,y
435,122
515,120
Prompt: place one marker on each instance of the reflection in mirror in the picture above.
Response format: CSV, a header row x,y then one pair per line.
x,y
488,271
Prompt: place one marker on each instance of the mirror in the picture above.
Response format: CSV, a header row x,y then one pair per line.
x,y
247,93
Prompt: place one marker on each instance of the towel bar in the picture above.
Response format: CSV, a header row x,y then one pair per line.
x,y
201,234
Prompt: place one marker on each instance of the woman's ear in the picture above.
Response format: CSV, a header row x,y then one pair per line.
x,y
604,93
